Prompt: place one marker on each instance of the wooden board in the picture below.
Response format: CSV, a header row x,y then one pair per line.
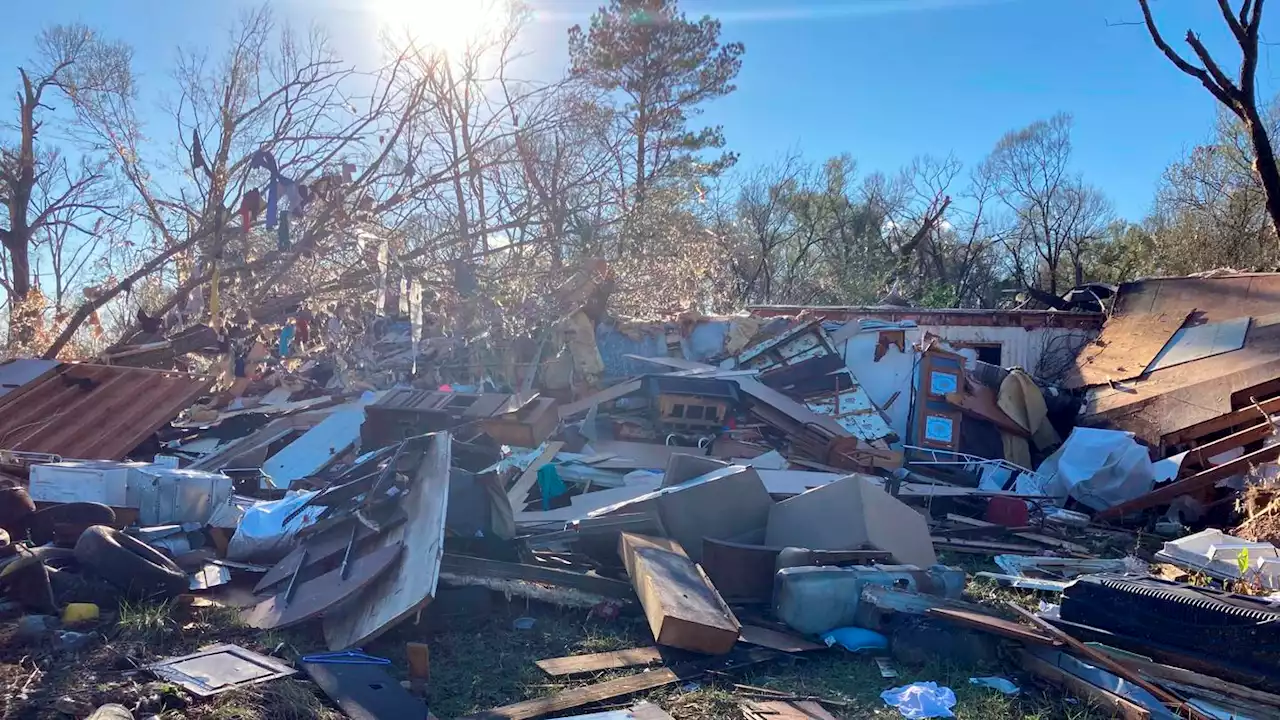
x,y
1198,680
1127,344
313,597
1200,456
1033,537
519,492
1119,707
777,640
402,594
1098,659
784,710
639,711
994,625
577,697
1236,418
365,692
981,547
619,687
683,607
607,395
596,662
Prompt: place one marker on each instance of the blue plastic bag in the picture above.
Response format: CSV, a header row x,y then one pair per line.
x,y
855,639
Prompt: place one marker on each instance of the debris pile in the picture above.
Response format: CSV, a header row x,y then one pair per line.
x,y
754,488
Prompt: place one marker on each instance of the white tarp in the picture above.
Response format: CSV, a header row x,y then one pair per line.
x,y
263,533
1099,468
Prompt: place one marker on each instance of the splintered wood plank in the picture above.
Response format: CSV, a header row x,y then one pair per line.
x,y
519,492
994,625
577,697
785,710
1127,344
621,687
595,662
1056,676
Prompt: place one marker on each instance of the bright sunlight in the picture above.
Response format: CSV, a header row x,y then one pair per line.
x,y
449,26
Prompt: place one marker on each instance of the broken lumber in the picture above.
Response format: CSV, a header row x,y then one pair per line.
x,y
1105,662
1033,537
1199,456
682,606
1105,699
1200,481
994,625
784,710
596,662
519,492
1236,418
621,687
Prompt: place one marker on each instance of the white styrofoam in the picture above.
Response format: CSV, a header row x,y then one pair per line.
x,y
1217,554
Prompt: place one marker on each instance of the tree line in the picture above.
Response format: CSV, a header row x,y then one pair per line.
x,y
445,186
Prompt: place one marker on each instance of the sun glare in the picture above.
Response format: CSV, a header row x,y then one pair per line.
x,y
450,26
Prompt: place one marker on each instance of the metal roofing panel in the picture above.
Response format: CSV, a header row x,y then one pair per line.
x,y
94,412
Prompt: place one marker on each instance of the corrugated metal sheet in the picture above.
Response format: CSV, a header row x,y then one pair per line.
x,y
94,412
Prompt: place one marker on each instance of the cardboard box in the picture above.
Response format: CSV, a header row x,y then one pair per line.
x,y
724,504
849,514
682,606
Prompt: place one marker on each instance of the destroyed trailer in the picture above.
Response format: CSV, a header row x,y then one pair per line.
x,y
786,482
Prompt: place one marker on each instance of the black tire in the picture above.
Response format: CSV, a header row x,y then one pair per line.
x,y
16,510
131,565
69,519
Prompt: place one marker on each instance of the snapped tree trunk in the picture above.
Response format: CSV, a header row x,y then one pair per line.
x,y
1264,164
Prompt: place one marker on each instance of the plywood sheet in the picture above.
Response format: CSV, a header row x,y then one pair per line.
x,y
402,594
1127,344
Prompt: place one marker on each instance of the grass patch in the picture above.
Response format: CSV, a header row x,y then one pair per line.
x,y
146,623
288,699
484,663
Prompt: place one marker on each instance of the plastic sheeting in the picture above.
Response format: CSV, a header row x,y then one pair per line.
x,y
921,700
1099,468
263,533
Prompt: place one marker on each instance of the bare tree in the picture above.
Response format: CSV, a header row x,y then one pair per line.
x,y
275,110
48,198
1054,214
1239,95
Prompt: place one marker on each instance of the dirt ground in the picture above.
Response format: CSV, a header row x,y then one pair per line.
x,y
479,660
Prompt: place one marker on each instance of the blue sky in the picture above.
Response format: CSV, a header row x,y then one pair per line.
x,y
884,80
